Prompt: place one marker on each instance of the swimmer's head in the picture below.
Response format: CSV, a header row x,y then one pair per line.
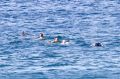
x,y
55,40
41,35
98,44
65,42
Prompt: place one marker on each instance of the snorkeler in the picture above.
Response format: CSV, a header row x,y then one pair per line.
x,y
41,36
98,44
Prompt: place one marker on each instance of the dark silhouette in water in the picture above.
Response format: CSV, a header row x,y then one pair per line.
x,y
23,33
41,36
98,44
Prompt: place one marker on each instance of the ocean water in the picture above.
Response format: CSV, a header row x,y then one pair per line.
x,y
83,22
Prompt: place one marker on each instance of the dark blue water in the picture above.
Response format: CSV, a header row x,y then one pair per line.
x,y
83,22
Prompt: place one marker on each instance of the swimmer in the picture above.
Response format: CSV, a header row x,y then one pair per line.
x,y
98,44
56,40
65,42
41,36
